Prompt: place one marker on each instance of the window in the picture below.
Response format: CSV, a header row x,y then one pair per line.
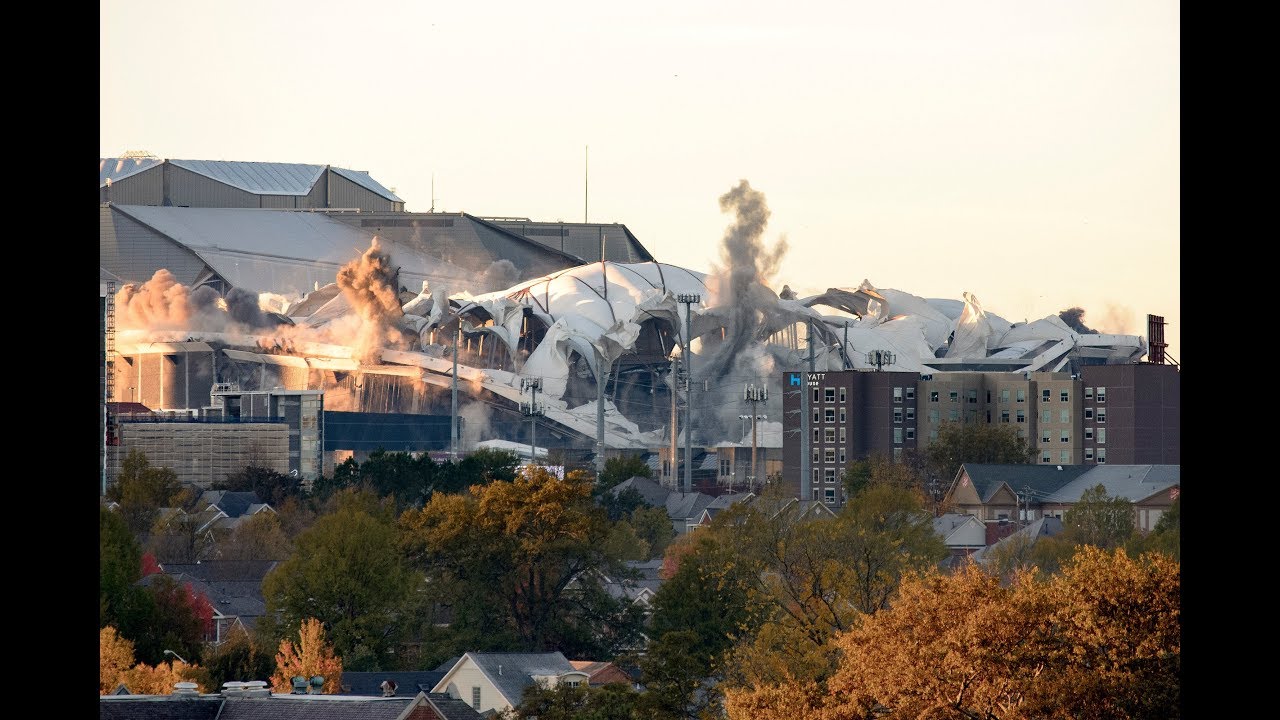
x,y
911,433
897,394
829,455
829,394
828,434
1088,413
829,495
815,394
817,434
816,477
841,434
933,435
1102,415
1064,457
897,415
897,436
1102,455
933,396
817,453
954,396
816,493
933,416
1102,395
1102,436
842,411
829,475
1022,395
897,453
726,466
1045,395
1045,416
953,416
829,415
843,457
1064,436
842,394
1044,436
1064,416
911,414
972,397
911,393
1088,433
1022,416
1088,393
1045,457
1065,396
988,397
1088,453
475,697
1004,395
817,414
1004,416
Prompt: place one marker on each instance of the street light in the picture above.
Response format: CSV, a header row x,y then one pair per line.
x,y
170,652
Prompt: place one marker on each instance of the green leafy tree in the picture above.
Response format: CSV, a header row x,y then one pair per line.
x,y
1165,537
239,657
1098,519
653,526
960,443
880,468
141,490
564,702
620,468
180,619
257,537
271,486
122,603
348,572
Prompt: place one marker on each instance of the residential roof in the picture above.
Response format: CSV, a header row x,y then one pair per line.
x,y
451,708
158,707
511,673
223,570
1041,479
316,707
687,505
1131,482
408,683
1041,527
234,504
651,492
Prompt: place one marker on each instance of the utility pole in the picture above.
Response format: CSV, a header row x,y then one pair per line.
x,y
688,299
453,425
532,410
753,395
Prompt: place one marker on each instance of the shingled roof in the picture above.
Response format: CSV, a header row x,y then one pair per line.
x,y
1042,479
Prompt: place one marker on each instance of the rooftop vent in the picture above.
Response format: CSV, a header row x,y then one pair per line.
x,y
233,688
185,688
257,688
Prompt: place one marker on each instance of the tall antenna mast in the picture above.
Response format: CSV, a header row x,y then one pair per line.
x,y
586,162
433,193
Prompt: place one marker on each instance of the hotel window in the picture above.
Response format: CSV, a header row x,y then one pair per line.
x,y
1102,436
1064,457
1045,457
1088,433
816,491
1088,393
816,477
1065,396
897,415
842,456
933,435
829,455
1004,395
1102,415
1064,436
817,414
815,394
1088,453
911,414
954,416
842,412
726,467
817,434
1088,413
817,453
1022,395
842,394
911,393
829,475
1045,416
1045,395
988,397
972,397
1102,395
897,436
897,394
897,453
1004,416
829,394
911,433
1102,455
1064,416
954,396
1044,436
829,415
828,434
933,416
933,396
841,434
829,494
1022,416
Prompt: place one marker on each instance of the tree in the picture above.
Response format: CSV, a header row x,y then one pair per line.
x,y
239,657
116,666
121,604
653,525
1165,537
564,702
257,537
179,620
115,655
1098,519
879,468
621,468
310,656
179,538
141,490
973,442
270,485
347,571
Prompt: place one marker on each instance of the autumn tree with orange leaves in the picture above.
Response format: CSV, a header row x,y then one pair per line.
x,y
312,655
116,666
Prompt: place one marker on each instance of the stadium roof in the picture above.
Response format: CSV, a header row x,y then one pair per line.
x,y
259,178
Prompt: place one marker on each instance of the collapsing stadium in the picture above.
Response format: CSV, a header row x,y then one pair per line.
x,y
383,336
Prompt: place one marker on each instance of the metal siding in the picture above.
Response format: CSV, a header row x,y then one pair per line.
x,y
134,252
279,201
347,194
189,189
143,188
319,195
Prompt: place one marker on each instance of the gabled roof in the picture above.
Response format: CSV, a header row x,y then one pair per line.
x,y
362,178
1041,479
687,506
158,707
408,683
651,492
114,169
451,708
234,504
511,673
1042,527
1131,482
259,178
319,707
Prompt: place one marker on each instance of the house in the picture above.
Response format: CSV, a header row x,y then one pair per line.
x,y
407,684
602,673
789,509
1151,488
224,509
683,509
497,681
1040,528
233,587
963,534
259,703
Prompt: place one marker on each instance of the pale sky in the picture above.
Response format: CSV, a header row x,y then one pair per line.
x,y
1024,151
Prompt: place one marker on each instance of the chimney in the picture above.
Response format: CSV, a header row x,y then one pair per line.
x,y
186,688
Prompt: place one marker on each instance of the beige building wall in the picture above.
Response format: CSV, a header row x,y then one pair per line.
x,y
202,453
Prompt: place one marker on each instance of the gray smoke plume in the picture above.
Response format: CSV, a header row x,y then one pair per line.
x,y
1074,319
740,288
475,424
370,285
500,275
